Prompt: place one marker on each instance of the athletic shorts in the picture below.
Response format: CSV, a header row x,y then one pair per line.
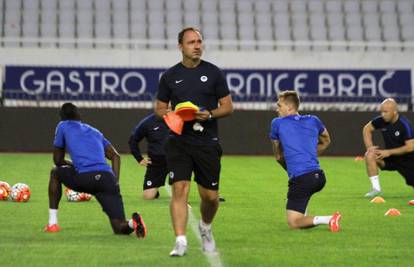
x,y
101,184
404,167
184,159
301,189
156,173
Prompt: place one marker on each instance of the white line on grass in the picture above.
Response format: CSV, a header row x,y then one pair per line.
x,y
213,258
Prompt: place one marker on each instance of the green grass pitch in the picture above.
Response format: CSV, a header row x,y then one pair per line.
x,y
250,228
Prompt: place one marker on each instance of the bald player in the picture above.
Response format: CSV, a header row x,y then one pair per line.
x,y
398,154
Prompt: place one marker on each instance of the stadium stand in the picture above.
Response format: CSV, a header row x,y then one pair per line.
x,y
320,25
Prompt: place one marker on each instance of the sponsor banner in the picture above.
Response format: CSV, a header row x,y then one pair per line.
x,y
247,85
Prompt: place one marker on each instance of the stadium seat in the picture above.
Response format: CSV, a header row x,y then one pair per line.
x,y
353,20
315,7
265,41
12,26
369,6
114,22
192,19
228,36
405,6
352,6
407,19
173,5
66,5
297,6
48,4
174,18
191,5
280,6
333,6
387,6
228,6
66,24
84,4
245,19
262,6
407,33
48,32
227,18
244,6
208,6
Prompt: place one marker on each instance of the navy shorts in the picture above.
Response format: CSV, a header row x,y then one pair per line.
x,y
301,189
404,167
204,161
101,184
156,173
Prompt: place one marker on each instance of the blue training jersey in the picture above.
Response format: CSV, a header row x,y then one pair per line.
x,y
298,136
85,145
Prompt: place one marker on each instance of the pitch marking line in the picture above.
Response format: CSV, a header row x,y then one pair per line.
x,y
213,258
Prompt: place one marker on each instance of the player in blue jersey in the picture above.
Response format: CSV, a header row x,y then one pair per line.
x,y
297,141
398,154
88,172
155,131
197,149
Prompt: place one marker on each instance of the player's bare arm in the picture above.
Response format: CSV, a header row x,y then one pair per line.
x,y
278,152
59,157
225,108
367,135
323,141
115,158
161,108
407,148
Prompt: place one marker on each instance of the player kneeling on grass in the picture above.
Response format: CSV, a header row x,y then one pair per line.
x,y
297,141
88,173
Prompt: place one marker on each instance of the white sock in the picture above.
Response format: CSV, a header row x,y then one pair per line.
x,y
205,225
375,182
321,220
131,224
181,239
53,216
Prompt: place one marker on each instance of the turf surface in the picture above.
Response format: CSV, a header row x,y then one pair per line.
x,y
250,227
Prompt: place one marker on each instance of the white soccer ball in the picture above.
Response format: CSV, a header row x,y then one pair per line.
x,y
74,196
4,190
20,192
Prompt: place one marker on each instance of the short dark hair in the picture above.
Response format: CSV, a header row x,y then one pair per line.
x,y
183,31
291,97
69,111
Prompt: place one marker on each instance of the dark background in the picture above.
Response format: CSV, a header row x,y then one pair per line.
x,y
243,133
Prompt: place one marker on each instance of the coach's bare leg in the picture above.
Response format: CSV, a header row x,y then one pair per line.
x,y
150,194
178,206
55,190
209,204
371,163
297,220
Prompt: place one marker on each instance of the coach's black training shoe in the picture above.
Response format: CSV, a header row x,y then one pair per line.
x,y
139,226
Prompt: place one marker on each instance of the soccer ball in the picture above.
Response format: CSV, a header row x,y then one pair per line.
x,y
20,192
74,196
4,190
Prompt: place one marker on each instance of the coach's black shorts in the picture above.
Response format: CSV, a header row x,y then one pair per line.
x,y
404,166
301,189
100,184
183,159
156,173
